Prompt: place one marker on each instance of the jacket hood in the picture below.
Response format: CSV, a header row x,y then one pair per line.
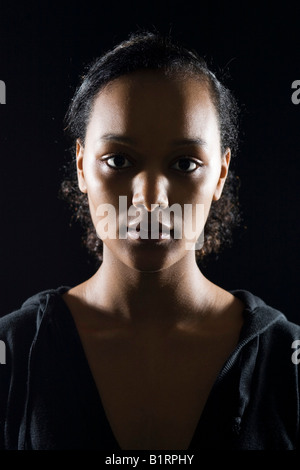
x,y
40,301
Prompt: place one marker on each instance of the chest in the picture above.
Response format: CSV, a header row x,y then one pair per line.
x,y
154,394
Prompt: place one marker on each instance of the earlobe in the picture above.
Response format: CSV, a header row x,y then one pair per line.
x,y
79,166
223,174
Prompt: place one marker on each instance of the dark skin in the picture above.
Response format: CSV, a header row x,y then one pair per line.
x,y
155,331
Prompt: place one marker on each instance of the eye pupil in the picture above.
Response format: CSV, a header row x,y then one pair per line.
x,y
119,160
184,164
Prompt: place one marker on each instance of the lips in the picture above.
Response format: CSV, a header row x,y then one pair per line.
x,y
165,233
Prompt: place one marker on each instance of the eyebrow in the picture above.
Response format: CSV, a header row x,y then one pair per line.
x,y
190,141
117,138
177,142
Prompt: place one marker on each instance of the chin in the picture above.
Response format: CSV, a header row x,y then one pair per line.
x,y
149,262
147,259
142,265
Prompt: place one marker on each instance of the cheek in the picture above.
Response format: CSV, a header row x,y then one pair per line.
x,y
202,191
209,182
205,197
99,190
104,204
200,199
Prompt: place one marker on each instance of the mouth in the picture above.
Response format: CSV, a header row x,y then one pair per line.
x,y
136,233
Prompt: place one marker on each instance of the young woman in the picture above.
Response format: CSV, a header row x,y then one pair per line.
x,y
148,353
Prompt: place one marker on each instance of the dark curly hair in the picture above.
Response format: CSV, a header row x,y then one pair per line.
x,y
152,50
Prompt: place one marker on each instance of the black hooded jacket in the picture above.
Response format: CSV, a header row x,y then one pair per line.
x,y
49,400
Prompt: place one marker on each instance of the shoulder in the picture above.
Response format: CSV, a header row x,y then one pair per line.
x,y
19,331
261,317
18,328
275,340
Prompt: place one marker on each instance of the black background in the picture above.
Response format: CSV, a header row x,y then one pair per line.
x,y
43,49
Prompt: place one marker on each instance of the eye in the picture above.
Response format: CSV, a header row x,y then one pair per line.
x,y
185,164
118,161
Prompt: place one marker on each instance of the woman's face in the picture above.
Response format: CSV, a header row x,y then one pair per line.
x,y
155,141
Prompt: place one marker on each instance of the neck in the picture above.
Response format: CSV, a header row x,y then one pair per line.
x,y
165,296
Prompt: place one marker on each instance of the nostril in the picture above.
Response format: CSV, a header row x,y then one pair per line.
x,y
163,205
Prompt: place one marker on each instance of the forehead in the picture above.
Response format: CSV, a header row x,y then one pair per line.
x,y
154,101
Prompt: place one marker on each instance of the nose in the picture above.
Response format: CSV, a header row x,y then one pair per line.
x,y
150,189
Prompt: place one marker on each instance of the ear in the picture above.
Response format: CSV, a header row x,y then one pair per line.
x,y
223,174
79,166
